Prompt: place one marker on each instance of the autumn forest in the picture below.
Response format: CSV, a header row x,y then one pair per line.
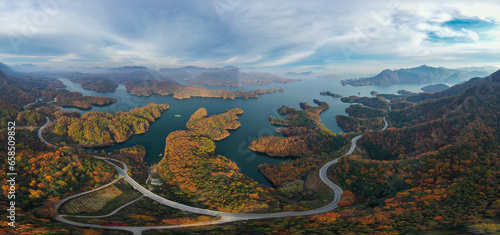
x,y
434,168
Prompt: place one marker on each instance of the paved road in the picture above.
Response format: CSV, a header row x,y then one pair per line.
x,y
107,215
353,144
225,216
386,124
24,107
40,136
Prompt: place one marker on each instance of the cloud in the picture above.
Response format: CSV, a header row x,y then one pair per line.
x,y
270,35
287,59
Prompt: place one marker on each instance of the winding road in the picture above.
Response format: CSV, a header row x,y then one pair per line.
x,y
225,217
36,100
40,136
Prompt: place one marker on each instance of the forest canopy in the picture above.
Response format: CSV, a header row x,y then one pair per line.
x,y
207,179
101,129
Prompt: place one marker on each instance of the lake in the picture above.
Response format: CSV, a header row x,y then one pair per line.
x,y
254,120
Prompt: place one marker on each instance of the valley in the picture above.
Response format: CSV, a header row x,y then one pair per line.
x,y
250,117
279,182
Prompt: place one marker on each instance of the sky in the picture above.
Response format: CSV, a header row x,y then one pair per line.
x,y
326,37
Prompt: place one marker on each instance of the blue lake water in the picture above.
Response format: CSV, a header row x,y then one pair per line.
x,y
254,120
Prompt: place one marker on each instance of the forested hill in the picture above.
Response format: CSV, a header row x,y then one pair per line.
x,y
434,169
95,129
234,78
419,75
26,97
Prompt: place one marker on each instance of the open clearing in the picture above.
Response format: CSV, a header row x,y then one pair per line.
x,y
92,202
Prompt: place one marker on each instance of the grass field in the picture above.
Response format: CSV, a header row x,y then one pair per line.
x,y
101,202
148,212
92,202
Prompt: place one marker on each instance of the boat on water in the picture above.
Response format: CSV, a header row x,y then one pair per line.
x,y
161,154
177,115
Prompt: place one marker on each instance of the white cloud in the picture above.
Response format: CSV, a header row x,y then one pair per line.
x,y
253,33
286,60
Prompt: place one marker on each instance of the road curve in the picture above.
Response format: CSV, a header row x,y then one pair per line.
x,y
40,136
86,192
225,216
386,123
36,100
106,215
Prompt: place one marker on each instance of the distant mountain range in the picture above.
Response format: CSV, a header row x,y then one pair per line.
x,y
298,74
456,89
27,68
107,79
229,76
17,73
189,72
421,75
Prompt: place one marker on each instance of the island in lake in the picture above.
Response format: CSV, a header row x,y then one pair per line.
x,y
142,81
191,167
303,132
95,129
329,93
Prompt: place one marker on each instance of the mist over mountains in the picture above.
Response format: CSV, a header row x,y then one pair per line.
x,y
421,75
228,76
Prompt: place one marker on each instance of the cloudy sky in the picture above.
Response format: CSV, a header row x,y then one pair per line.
x,y
323,36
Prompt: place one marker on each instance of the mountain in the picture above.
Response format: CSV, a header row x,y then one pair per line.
x,y
28,68
435,88
260,78
14,91
176,73
436,162
431,73
232,77
419,75
128,69
298,74
140,75
189,72
35,81
457,89
6,69
457,77
229,76
488,69
106,82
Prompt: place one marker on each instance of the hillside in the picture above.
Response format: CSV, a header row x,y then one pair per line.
x,y
303,132
435,169
17,92
232,77
141,81
189,72
100,83
299,74
95,129
419,75
191,167
435,88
